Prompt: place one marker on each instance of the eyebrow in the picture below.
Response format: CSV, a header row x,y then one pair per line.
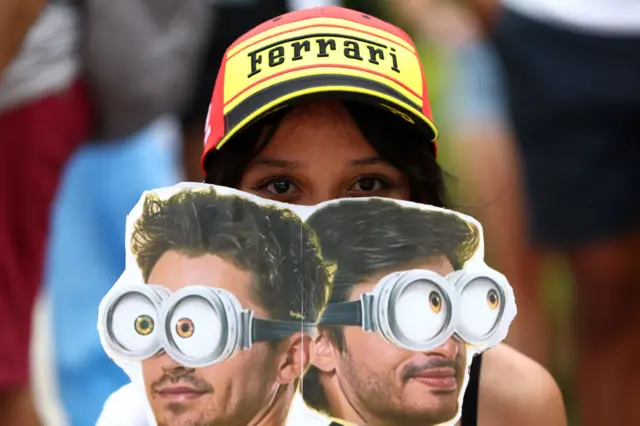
x,y
368,161
273,162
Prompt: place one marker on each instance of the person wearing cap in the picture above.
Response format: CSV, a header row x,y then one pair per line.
x,y
328,103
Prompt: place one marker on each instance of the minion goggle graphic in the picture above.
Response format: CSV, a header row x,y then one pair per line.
x,y
419,310
197,326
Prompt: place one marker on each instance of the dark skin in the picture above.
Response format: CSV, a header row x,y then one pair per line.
x,y
319,154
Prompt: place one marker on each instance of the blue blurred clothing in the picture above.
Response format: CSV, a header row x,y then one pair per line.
x,y
477,95
86,254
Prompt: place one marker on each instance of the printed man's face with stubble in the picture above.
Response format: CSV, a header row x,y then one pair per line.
x,y
361,374
265,258
390,385
230,392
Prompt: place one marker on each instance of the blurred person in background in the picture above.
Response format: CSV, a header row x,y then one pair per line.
x,y
16,19
486,161
44,117
173,49
572,72
140,60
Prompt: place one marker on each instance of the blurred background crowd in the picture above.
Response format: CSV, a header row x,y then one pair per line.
x,y
536,101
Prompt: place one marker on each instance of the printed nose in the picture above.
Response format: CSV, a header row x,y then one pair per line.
x,y
172,368
448,350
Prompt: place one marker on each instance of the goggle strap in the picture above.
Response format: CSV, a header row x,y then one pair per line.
x,y
342,314
267,329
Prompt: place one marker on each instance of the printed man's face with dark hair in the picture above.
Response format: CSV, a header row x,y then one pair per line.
x,y
358,375
270,262
228,392
385,384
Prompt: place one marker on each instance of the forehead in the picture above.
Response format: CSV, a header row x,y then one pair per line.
x,y
321,110
328,122
438,264
175,270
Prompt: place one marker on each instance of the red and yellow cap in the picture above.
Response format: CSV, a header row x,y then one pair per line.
x,y
317,53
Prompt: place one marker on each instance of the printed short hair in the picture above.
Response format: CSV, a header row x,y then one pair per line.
x,y
274,245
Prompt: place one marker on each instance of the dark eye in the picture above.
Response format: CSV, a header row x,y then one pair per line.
x,y
279,186
368,184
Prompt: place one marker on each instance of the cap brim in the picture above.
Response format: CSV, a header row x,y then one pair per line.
x,y
331,86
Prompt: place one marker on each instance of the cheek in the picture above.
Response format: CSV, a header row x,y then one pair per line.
x,y
246,187
369,348
402,192
152,370
221,374
254,365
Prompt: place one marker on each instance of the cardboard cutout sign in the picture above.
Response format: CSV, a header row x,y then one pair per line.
x,y
229,300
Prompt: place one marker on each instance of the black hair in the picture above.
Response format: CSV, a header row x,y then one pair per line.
x,y
391,137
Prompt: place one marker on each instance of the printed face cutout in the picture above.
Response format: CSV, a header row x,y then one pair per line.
x,y
228,300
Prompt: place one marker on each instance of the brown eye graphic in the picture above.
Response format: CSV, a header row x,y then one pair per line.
x,y
493,299
435,302
185,328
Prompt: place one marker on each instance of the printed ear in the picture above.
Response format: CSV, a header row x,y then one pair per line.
x,y
296,355
323,354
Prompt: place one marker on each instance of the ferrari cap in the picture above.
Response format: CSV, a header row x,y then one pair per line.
x,y
317,53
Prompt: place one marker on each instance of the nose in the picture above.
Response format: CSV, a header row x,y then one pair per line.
x,y
176,370
170,366
448,350
318,195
